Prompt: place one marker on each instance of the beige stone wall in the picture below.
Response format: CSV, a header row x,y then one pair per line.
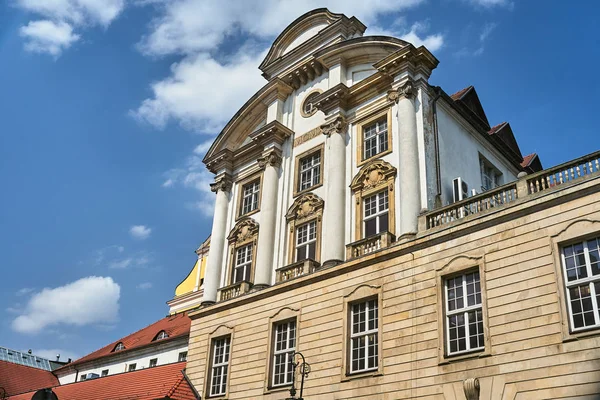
x,y
531,356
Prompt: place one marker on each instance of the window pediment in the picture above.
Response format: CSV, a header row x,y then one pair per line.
x,y
245,230
305,207
374,174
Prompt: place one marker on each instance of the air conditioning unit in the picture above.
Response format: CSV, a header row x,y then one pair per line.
x,y
460,189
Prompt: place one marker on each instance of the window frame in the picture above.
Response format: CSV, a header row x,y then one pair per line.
x,y
366,121
219,333
314,150
305,209
377,215
237,239
246,264
285,314
274,353
306,244
104,372
155,360
367,333
360,294
131,367
255,177
179,356
485,166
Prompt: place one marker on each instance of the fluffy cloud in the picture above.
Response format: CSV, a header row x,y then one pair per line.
x,y
140,232
91,300
54,33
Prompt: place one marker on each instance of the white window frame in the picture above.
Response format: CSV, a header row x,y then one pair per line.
x,y
378,134
182,356
465,311
490,176
287,352
377,215
245,264
162,335
310,169
250,198
308,241
104,372
590,280
366,333
132,367
222,366
155,360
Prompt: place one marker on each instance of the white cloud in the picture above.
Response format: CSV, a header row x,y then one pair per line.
x,y
54,33
144,286
91,300
48,37
24,291
139,260
120,264
432,42
491,3
486,31
52,353
203,147
140,232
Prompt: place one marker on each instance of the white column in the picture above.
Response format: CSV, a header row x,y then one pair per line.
x,y
212,275
271,163
410,182
334,215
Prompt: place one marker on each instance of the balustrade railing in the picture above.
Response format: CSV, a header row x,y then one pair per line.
x,y
564,173
369,245
295,270
235,290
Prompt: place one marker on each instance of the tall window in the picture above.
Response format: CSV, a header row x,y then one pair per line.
x,y
310,171
219,366
306,241
490,176
375,138
581,267
283,351
464,314
376,213
364,346
250,192
243,264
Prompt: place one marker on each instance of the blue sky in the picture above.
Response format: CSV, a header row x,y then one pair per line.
x,y
107,107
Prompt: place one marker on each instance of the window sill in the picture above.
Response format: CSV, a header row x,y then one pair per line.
x,y
277,389
581,334
360,375
247,214
309,189
465,356
376,156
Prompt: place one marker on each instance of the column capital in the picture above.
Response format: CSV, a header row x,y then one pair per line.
x,y
407,90
272,158
222,183
336,125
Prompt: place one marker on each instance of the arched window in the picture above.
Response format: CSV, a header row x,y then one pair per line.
x,y
120,346
161,335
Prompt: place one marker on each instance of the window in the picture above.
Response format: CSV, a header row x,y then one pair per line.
x,y
310,171
132,367
306,241
581,268
83,377
219,366
375,138
490,176
464,314
243,264
182,356
104,372
364,346
119,346
284,347
250,193
376,213
153,362
161,335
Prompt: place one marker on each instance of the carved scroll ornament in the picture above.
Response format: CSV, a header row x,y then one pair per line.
x,y
245,230
407,90
372,175
222,183
338,125
305,207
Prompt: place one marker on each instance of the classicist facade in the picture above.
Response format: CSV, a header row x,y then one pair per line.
x,y
387,232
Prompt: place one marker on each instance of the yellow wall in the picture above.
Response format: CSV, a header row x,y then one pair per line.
x,y
189,282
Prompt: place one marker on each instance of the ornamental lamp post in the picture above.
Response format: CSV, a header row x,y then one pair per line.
x,y
304,370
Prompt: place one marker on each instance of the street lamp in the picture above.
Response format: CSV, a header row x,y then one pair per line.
x,y
304,370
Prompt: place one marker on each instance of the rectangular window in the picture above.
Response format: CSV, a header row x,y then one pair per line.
x,y
581,267
310,171
284,347
132,367
243,264
306,241
490,176
464,314
364,346
219,366
182,356
376,214
153,362
250,197
104,372
375,138
83,377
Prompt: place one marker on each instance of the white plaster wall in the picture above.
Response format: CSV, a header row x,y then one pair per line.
x,y
459,155
167,353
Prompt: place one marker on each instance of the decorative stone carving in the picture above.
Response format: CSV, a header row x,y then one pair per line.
x,y
338,125
471,387
407,90
245,230
372,175
272,159
222,183
305,207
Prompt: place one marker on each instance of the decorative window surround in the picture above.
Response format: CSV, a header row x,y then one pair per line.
x,y
365,126
298,173
220,345
374,177
580,231
284,315
373,296
491,178
459,267
254,181
305,209
308,109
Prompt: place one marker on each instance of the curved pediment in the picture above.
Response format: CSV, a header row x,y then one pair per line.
x,y
372,175
305,206
244,230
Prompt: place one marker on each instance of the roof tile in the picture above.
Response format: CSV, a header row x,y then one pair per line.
x,y
17,378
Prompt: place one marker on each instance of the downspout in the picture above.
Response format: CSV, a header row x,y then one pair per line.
x,y
436,142
76,374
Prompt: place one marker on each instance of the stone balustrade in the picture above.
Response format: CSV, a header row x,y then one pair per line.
x,y
564,173
235,290
369,245
295,270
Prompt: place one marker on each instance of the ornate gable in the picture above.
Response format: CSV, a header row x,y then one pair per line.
x,y
374,174
244,231
305,207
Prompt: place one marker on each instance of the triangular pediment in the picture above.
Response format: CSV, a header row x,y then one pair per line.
x,y
505,133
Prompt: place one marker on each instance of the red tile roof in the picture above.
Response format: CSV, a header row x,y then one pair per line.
x,y
17,378
528,159
496,128
461,93
175,325
163,382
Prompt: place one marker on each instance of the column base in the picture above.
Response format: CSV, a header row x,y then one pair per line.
x,y
260,286
405,237
331,263
207,303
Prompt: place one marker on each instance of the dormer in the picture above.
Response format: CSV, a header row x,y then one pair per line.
x,y
120,346
161,335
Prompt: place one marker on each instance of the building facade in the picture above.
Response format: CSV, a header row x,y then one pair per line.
x,y
387,232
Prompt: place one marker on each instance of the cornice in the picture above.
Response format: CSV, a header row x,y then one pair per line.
x,y
415,60
333,98
221,160
273,132
222,182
